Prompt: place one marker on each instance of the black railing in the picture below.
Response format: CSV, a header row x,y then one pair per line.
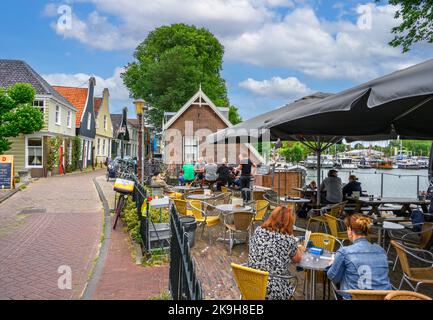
x,y
140,195
183,281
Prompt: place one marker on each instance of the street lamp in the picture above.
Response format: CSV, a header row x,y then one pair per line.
x,y
139,106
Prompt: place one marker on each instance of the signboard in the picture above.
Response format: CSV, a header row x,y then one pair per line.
x,y
6,172
263,170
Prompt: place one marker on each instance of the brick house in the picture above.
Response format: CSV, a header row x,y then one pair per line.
x,y
185,133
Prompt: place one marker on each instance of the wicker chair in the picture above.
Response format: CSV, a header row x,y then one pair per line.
x,y
406,295
367,294
332,223
262,208
418,240
242,222
182,207
418,275
198,209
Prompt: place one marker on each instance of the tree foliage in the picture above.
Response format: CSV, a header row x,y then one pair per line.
x,y
17,114
171,64
293,152
417,24
234,116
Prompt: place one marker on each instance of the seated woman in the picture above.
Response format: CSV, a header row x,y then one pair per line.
x,y
353,186
272,248
363,265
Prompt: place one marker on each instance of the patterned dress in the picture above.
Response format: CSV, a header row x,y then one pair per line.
x,y
272,252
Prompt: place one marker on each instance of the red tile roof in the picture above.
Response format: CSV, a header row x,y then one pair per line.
x,y
97,105
77,97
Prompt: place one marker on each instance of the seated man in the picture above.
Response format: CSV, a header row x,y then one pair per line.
x,y
211,175
188,174
223,175
352,186
199,171
333,187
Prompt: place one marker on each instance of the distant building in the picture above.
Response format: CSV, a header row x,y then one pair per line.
x,y
198,118
83,100
104,128
31,151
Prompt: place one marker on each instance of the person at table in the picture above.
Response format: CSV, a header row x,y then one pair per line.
x,y
245,167
273,248
362,265
199,171
188,174
306,207
353,186
333,187
224,174
210,170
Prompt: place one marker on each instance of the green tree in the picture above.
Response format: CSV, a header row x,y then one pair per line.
x,y
417,25
171,64
293,151
234,116
17,114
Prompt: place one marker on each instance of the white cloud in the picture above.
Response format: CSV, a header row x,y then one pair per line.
x,y
255,32
289,88
119,94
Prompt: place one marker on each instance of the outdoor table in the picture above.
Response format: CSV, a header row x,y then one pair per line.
x,y
313,264
186,189
260,188
201,197
377,202
294,200
383,227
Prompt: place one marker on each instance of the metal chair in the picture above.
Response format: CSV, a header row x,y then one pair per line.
x,y
336,211
242,222
418,275
332,223
182,207
198,209
424,237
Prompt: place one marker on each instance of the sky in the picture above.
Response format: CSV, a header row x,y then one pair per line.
x,y
276,51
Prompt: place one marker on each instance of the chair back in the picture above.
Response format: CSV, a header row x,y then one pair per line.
x,y
197,191
337,210
252,283
404,261
319,240
197,209
426,236
181,206
226,197
332,223
262,207
368,294
224,189
258,195
406,295
243,220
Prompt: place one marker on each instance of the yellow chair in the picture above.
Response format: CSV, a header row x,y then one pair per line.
x,y
332,223
262,207
182,207
198,211
335,211
224,189
176,195
368,294
252,283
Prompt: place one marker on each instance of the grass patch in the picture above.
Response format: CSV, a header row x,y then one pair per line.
x,y
164,295
157,257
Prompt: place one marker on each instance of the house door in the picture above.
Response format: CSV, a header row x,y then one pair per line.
x,y
84,156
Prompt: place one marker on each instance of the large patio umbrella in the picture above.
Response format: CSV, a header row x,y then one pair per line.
x,y
399,104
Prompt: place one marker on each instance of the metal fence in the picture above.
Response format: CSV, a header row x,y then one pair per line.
x,y
140,195
183,281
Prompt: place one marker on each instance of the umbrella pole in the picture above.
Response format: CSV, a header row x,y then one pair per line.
x,y
318,151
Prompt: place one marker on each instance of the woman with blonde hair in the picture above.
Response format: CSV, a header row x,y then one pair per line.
x,y
362,265
272,248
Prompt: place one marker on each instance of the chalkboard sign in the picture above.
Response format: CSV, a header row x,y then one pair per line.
x,y
263,170
6,172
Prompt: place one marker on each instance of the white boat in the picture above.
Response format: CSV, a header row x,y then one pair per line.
x,y
311,162
346,163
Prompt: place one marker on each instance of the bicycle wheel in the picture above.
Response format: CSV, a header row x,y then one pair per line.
x,y
119,208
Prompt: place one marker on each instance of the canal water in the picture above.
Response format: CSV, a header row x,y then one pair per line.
x,y
396,182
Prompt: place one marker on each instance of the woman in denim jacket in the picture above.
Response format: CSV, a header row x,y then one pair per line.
x,y
362,265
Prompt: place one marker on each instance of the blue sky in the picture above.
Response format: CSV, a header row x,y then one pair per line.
x,y
276,50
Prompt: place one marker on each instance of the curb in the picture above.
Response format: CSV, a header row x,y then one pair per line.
x,y
96,272
11,193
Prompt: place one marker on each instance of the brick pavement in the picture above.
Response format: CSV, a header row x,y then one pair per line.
x,y
53,222
121,278
213,261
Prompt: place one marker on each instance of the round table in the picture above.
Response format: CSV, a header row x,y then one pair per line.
x,y
385,226
185,188
294,200
228,208
200,197
314,263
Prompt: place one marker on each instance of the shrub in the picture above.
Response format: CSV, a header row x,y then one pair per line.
x,y
131,219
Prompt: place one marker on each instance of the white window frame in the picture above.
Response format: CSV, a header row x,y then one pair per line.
x,y
195,143
57,117
89,119
42,108
105,122
89,151
99,146
69,119
103,147
27,152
